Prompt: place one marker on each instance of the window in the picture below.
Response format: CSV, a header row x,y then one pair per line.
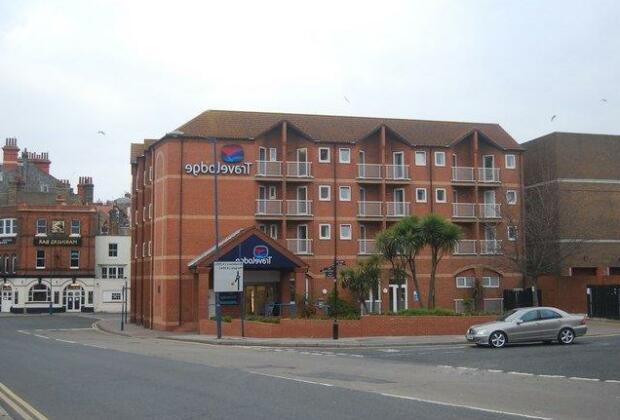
x,y
530,316
583,271
135,251
490,282
150,211
273,192
41,227
75,258
150,248
7,264
116,296
8,227
440,195
420,158
104,272
151,173
345,193
144,249
512,233
440,158
144,213
325,192
75,227
511,161
112,250
324,155
420,195
511,197
273,231
345,231
325,231
45,188
614,271
464,282
120,272
549,314
14,268
40,259
39,293
112,272
90,297
344,155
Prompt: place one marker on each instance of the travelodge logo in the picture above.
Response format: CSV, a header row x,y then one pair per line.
x,y
232,155
261,251
260,256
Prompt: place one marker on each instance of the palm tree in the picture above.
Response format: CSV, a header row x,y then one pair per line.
x,y
441,236
362,279
411,241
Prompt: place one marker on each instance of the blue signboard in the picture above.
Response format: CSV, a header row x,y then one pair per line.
x,y
229,298
256,254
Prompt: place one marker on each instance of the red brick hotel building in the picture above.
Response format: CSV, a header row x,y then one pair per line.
x,y
304,189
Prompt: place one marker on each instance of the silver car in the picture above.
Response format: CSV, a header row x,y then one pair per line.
x,y
544,324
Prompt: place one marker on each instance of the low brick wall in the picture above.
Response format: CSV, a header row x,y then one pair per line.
x,y
367,326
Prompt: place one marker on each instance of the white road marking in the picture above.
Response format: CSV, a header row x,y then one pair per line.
x,y
65,341
41,336
469,407
495,370
612,381
551,376
94,345
23,332
577,378
520,373
18,405
356,355
466,368
390,351
289,378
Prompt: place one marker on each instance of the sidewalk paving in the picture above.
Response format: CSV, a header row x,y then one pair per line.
x,y
596,327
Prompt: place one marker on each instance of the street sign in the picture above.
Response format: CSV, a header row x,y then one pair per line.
x,y
329,271
227,276
229,298
340,262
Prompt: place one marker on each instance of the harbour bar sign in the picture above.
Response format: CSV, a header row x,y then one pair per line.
x,y
233,164
62,241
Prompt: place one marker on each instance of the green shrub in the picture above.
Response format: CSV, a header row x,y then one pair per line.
x,y
345,309
427,312
225,318
258,318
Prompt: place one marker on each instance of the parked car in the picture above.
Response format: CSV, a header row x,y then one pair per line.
x,y
544,324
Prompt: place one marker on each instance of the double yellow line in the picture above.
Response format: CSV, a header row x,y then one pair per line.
x,y
18,405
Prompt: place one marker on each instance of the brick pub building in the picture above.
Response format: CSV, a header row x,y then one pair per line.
x,y
47,237
306,189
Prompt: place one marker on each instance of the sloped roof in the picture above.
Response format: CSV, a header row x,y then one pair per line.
x,y
341,129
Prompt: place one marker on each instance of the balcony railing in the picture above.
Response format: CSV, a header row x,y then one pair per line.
x,y
397,172
299,207
369,171
299,246
367,246
269,207
462,174
369,209
298,169
490,211
465,247
268,168
464,210
492,247
488,175
397,208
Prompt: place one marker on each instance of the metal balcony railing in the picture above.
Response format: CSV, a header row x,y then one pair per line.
x,y
268,168
464,210
397,208
269,207
397,172
367,246
465,247
488,175
299,207
462,174
299,246
369,171
298,169
369,209
490,211
493,247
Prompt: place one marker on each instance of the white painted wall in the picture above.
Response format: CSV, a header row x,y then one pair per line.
x,y
105,288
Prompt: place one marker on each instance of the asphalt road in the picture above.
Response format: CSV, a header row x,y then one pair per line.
x,y
65,369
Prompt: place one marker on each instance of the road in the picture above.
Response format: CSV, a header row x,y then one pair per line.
x,y
65,369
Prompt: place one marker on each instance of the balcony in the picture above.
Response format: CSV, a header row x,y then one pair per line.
x,y
464,211
298,170
369,209
463,174
488,175
299,207
397,173
465,247
268,207
367,246
490,211
397,208
369,172
268,169
492,247
299,246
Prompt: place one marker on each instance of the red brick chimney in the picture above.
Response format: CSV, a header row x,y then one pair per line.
x,y
40,160
86,189
10,152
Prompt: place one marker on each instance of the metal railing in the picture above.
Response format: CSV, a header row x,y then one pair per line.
x,y
269,207
465,247
490,211
397,208
462,174
367,246
298,169
397,172
299,207
369,209
369,171
299,246
493,247
464,210
488,175
268,168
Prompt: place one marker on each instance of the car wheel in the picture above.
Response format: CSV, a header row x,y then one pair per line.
x,y
497,339
566,336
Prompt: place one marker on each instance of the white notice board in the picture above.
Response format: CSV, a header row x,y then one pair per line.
x,y
227,276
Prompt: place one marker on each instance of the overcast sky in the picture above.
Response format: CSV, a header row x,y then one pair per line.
x,y
138,69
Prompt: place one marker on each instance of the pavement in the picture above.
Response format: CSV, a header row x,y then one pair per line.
x,y
596,327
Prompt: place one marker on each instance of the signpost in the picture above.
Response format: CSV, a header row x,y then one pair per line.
x,y
227,279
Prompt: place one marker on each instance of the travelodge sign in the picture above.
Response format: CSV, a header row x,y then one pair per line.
x,y
232,163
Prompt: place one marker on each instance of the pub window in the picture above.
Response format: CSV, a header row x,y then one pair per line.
x,y
75,258
39,293
112,272
56,297
104,272
8,227
16,298
120,272
41,227
40,258
112,250
90,297
75,227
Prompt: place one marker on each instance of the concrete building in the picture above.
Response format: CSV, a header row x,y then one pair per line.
x,y
319,188
579,175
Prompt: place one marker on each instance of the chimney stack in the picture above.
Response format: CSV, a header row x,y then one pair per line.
x,y
10,153
40,160
86,189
